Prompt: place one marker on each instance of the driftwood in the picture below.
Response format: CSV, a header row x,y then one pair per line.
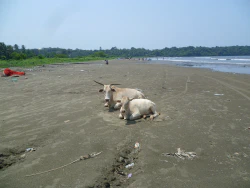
x,y
181,154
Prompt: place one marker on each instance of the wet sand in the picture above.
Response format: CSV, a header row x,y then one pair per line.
x,y
59,112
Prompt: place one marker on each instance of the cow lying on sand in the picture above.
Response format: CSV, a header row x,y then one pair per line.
x,y
113,95
136,108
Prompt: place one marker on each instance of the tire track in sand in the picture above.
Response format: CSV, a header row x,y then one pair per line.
x,y
230,87
240,82
183,92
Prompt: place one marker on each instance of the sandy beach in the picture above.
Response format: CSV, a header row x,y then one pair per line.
x,y
58,111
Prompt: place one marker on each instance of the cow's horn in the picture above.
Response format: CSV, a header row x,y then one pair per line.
x,y
99,83
114,84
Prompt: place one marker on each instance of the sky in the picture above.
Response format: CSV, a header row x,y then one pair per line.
x,y
150,24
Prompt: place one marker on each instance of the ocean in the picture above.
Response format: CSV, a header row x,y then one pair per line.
x,y
234,64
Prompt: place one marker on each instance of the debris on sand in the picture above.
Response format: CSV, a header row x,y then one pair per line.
x,y
66,121
217,94
120,173
129,175
14,79
9,72
130,165
10,156
181,154
30,149
137,145
22,156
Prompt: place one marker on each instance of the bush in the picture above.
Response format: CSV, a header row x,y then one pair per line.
x,y
61,56
23,56
18,56
41,57
99,54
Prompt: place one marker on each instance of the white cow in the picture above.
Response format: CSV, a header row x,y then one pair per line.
x,y
136,108
113,95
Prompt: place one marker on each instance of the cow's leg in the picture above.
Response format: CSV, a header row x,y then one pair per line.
x,y
121,116
135,116
155,114
106,104
125,115
117,106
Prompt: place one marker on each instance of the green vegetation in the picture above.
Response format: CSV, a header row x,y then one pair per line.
x,y
42,61
15,56
12,56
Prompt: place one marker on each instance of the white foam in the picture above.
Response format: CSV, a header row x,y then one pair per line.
x,y
240,59
184,60
202,57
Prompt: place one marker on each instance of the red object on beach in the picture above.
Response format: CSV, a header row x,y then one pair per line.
x,y
9,72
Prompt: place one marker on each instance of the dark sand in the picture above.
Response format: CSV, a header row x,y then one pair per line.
x,y
33,111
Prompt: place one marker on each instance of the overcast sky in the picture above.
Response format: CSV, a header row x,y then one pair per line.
x,y
151,24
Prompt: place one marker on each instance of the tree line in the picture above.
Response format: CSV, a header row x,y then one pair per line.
x,y
15,52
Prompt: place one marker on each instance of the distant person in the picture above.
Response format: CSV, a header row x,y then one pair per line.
x,y
107,62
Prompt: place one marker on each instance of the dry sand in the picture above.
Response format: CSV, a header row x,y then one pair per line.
x,y
34,112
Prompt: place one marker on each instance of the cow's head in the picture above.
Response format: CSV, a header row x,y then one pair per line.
x,y
125,102
108,90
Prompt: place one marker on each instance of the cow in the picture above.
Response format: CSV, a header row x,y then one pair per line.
x,y
133,109
113,95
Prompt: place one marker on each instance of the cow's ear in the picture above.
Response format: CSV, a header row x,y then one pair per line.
x,y
130,99
118,100
101,90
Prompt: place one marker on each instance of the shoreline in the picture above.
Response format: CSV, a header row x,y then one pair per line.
x,y
220,67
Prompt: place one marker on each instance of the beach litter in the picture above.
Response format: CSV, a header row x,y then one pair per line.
x,y
245,155
217,94
130,165
129,175
137,145
136,148
30,149
22,156
66,121
9,72
84,157
14,79
164,161
181,154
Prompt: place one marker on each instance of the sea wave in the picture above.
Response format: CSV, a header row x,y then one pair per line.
x,y
202,57
240,59
183,60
